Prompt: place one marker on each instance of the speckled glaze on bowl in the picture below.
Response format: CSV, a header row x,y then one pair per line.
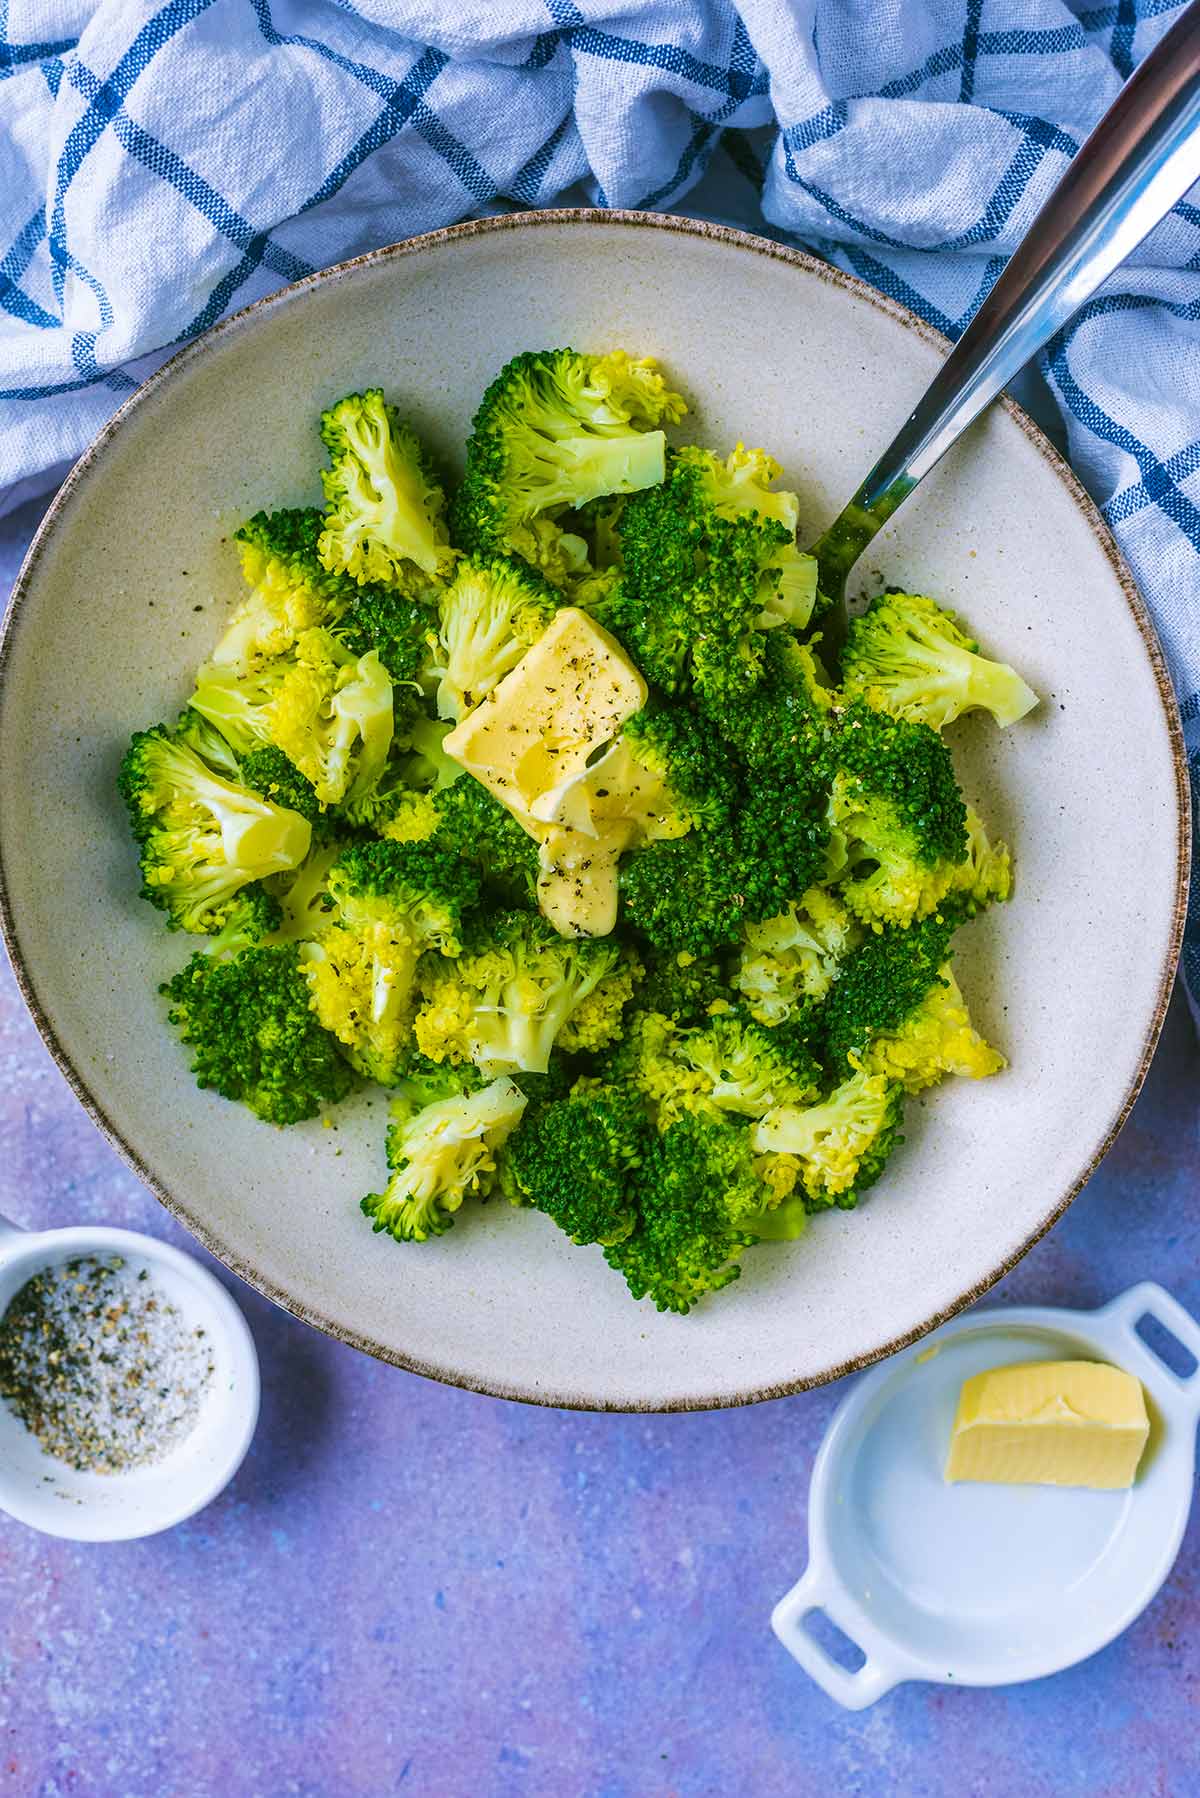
x,y
122,593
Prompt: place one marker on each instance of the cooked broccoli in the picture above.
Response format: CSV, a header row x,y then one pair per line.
x,y
253,1033
897,818
909,657
266,770
474,824
201,838
985,877
503,1003
489,616
401,629
880,983
329,711
730,1063
574,1159
209,745
391,901
596,1020
791,960
697,1194
290,589
440,1156
384,506
554,430
682,751
254,915
843,1142
935,1039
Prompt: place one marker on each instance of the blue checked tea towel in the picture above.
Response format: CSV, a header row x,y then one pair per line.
x,y
161,164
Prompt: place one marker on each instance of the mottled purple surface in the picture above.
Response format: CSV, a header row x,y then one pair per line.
x,y
412,1589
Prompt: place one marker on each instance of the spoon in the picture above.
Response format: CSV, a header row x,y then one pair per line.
x,y
1142,157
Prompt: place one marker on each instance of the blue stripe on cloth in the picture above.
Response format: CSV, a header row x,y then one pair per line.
x,y
17,56
1179,467
13,265
87,131
970,51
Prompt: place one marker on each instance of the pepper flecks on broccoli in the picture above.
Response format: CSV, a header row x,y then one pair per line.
x,y
908,656
440,1156
685,988
430,888
475,825
201,838
384,505
291,591
842,1143
554,430
503,1002
684,752
253,916
253,1034
729,1063
266,770
489,616
575,1159
402,631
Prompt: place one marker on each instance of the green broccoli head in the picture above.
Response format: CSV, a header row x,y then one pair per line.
x,y
729,1063
936,1038
255,914
504,1002
390,902
199,734
441,1155
472,823
880,983
575,1158
267,771
697,1194
254,1036
489,615
907,656
328,710
554,430
384,506
400,628
201,838
789,961
897,818
290,590
685,988
840,1144
700,587
683,752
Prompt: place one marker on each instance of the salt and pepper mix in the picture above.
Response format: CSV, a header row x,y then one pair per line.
x,y
100,1366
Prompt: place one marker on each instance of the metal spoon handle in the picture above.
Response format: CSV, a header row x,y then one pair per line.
x,y
1141,158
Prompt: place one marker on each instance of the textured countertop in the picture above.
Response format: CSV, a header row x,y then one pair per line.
x,y
416,1590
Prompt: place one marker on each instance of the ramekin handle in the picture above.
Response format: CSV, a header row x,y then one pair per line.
x,y
881,1668
1148,1299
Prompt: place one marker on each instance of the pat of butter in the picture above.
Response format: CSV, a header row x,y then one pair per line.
x,y
577,881
1050,1423
568,696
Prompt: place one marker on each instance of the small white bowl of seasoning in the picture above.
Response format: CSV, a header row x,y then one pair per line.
x,y
129,1383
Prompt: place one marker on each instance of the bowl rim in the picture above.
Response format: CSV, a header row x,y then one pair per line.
x,y
807,264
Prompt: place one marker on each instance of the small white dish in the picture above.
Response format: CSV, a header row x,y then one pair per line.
x,y
91,1507
982,1585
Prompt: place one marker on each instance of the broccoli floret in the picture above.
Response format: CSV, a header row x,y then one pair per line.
x,y
426,764
254,915
268,771
439,1157
880,983
785,724
384,506
489,616
907,656
503,1003
290,590
391,901
254,1036
897,818
791,960
731,1064
985,877
574,1160
935,1039
685,988
201,838
696,1189
596,1020
693,596
329,711
842,1143
401,629
684,753
554,430
209,745
474,824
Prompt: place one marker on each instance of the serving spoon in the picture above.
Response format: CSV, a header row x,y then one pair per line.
x,y
1140,159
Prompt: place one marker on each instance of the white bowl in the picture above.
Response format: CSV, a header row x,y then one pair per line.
x,y
982,1585
93,1507
121,596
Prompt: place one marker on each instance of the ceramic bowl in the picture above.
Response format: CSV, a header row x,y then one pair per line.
x,y
123,591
